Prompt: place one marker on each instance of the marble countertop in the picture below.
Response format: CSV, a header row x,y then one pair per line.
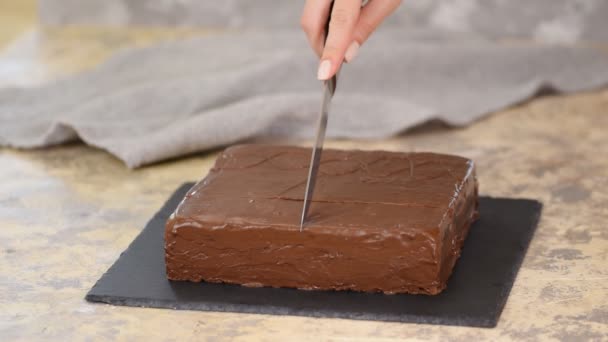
x,y
66,214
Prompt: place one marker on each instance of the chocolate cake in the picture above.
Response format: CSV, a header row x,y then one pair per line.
x,y
379,221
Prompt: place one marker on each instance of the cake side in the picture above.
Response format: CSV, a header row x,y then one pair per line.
x,y
381,221
392,262
461,214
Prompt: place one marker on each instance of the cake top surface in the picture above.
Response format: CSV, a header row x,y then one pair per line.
x,y
263,185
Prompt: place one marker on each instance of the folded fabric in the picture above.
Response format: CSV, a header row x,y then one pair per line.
x,y
169,100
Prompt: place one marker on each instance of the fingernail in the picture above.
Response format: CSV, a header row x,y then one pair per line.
x,y
324,70
352,51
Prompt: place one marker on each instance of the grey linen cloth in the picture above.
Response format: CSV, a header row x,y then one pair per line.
x,y
564,21
147,105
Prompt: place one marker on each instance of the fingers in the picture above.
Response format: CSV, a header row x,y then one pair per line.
x,y
371,17
344,18
314,18
350,27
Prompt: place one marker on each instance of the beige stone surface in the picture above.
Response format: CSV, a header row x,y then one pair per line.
x,y
66,214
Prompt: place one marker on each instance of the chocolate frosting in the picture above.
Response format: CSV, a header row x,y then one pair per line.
x,y
379,221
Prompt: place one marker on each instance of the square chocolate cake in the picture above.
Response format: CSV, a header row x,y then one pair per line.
x,y
379,221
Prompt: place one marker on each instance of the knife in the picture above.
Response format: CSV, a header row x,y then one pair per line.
x,y
329,88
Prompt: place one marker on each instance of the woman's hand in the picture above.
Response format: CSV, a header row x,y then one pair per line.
x,y
350,26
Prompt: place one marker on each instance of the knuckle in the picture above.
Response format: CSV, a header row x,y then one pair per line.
x,y
341,18
366,27
305,24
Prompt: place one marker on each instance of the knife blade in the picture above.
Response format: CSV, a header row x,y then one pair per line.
x,y
329,88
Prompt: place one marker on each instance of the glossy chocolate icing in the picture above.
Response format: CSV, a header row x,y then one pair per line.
x,y
379,221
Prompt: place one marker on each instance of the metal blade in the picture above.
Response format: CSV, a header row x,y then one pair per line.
x,y
329,88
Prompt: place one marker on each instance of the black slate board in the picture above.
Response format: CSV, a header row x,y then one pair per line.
x,y
476,293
